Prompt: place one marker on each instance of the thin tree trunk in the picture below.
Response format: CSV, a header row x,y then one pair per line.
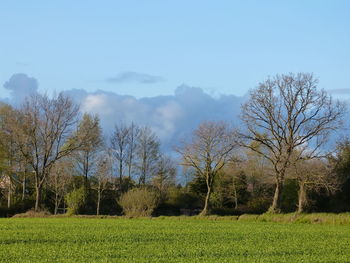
x,y
235,193
37,197
98,202
56,203
205,210
120,174
9,194
301,197
24,186
277,198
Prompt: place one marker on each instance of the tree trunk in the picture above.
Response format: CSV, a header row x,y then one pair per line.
x,y
120,175
24,186
302,199
37,197
277,198
9,194
235,193
56,204
205,210
98,202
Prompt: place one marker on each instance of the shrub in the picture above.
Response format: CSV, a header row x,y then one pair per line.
x,y
75,200
138,202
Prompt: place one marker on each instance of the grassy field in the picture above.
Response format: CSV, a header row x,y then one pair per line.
x,y
169,240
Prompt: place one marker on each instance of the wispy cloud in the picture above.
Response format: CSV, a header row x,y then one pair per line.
x,y
131,76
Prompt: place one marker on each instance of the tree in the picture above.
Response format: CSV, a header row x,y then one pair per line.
x,y
89,134
134,131
340,163
286,113
165,175
208,153
313,174
102,176
59,179
147,154
8,150
120,143
43,134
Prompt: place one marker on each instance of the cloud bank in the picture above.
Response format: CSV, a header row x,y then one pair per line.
x,y
171,117
134,77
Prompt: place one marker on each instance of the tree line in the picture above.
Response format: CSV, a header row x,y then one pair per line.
x,y
53,157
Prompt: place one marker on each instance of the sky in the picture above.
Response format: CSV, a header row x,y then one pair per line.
x,y
163,57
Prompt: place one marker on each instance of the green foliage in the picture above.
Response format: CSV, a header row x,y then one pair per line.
x,y
290,196
75,200
179,239
138,202
258,204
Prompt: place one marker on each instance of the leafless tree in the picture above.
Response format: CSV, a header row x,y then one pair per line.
x,y
102,176
59,179
89,136
208,152
134,131
314,174
286,113
120,143
44,133
146,154
165,175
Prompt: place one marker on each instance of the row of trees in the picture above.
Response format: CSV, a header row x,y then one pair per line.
x,y
51,154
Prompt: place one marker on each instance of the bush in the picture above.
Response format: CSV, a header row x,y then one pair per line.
x,y
75,200
138,202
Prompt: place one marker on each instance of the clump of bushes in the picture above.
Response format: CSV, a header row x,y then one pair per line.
x,y
75,200
138,202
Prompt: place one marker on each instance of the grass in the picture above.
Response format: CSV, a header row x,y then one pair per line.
x,y
170,240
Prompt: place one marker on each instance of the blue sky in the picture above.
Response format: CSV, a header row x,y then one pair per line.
x,y
149,48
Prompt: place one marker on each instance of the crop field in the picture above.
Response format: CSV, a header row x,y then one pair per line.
x,y
169,240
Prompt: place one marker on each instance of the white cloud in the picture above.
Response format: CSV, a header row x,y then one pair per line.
x,y
171,117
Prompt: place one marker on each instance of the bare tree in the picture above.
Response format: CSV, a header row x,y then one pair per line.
x,y
286,113
208,153
102,176
120,143
165,175
59,179
134,131
44,133
89,134
147,154
314,174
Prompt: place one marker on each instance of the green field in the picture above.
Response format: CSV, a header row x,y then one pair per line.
x,y
169,240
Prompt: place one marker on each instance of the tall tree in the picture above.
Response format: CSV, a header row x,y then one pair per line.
x,y
134,131
147,154
165,175
286,113
102,176
89,135
120,143
59,180
43,134
208,152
